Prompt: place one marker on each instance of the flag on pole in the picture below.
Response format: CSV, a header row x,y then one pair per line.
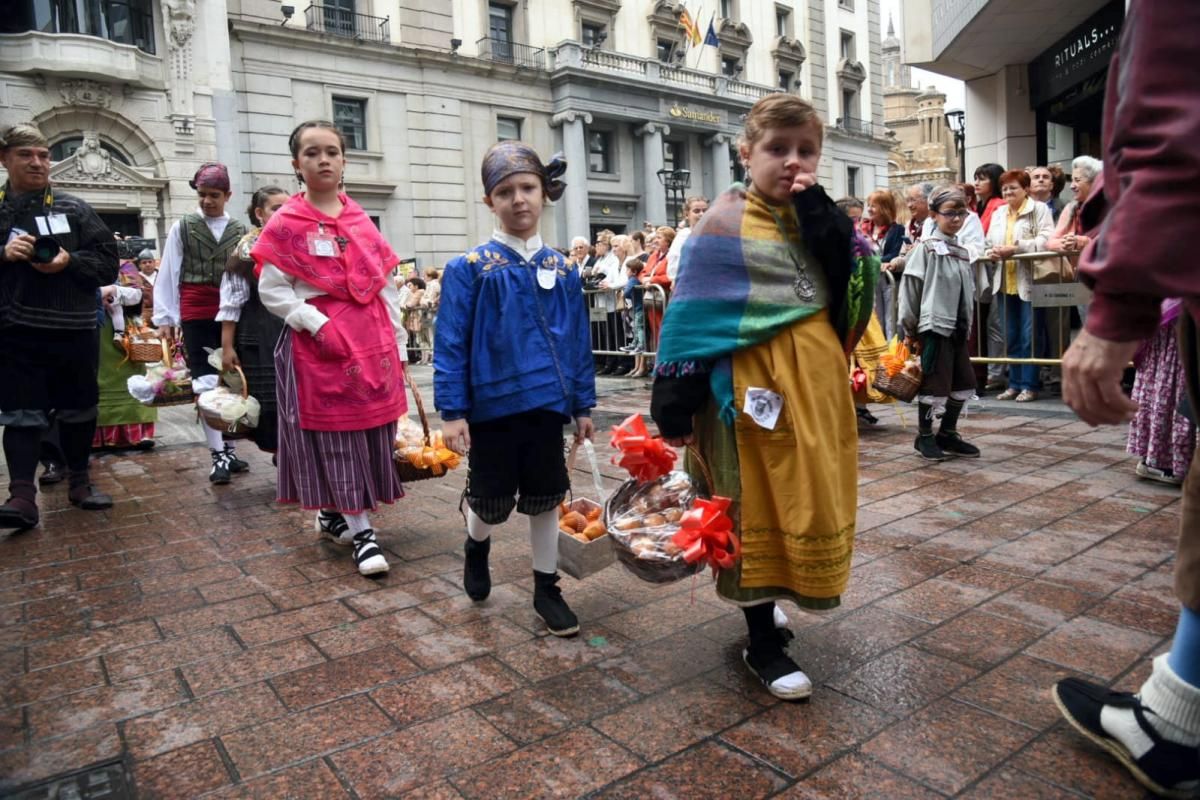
x,y
710,38
690,27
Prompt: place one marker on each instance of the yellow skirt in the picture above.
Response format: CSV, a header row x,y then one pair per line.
x,y
795,487
871,348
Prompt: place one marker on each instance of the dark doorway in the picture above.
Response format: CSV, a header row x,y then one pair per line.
x,y
124,224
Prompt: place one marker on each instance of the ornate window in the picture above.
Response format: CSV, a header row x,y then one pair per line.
x,y
65,148
121,21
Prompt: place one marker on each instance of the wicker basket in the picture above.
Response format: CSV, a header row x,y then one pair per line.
x,y
142,351
654,570
404,467
903,385
229,430
182,394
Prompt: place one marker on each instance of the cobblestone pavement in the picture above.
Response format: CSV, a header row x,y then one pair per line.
x,y
204,636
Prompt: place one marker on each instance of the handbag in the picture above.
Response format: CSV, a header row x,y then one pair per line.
x,y
1055,269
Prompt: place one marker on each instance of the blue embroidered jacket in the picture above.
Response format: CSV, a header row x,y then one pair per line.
x,y
504,345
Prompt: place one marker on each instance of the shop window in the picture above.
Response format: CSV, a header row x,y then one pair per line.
x,y
600,152
122,21
350,117
507,129
674,154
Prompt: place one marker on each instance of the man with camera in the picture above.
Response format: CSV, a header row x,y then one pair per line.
x,y
57,254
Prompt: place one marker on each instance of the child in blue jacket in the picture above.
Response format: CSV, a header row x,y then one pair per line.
x,y
512,365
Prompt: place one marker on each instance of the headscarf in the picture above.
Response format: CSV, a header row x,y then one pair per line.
x,y
211,176
509,158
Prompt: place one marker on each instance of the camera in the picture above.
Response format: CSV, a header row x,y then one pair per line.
x,y
45,248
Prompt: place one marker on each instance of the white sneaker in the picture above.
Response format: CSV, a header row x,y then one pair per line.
x,y
367,554
782,676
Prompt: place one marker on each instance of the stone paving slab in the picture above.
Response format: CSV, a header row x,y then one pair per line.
x,y
204,636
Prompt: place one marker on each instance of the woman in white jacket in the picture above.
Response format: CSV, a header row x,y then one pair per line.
x,y
1022,225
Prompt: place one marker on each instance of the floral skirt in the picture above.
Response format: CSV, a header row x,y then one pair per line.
x,y
1159,434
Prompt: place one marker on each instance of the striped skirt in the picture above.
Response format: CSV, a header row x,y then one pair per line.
x,y
348,471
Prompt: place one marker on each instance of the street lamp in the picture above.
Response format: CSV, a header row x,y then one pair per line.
x,y
956,122
676,182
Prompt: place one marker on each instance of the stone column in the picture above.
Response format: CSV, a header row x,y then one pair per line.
x,y
654,194
575,151
150,225
718,144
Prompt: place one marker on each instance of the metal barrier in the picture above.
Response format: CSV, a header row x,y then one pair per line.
x,y
1051,298
615,324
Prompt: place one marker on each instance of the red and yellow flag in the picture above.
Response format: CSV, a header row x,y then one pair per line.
x,y
690,27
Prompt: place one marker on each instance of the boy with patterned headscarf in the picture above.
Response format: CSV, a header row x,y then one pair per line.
x,y
187,293
513,364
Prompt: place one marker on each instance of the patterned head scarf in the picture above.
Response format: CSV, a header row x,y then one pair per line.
x,y
509,158
211,176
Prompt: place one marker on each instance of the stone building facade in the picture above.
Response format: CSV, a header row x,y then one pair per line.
x,y
423,87
923,148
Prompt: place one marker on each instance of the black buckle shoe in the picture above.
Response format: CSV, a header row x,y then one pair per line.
x,y
549,604
18,514
219,474
233,463
86,497
952,444
1168,769
477,578
53,473
927,447
778,672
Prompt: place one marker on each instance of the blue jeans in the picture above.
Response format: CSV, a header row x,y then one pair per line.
x,y
1018,317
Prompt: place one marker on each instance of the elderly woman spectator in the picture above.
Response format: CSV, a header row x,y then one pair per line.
x,y
577,255
987,192
1069,237
852,207
1022,225
888,237
657,273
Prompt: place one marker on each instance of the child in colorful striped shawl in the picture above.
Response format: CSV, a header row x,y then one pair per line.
x,y
769,301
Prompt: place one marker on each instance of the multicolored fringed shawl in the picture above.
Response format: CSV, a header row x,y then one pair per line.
x,y
743,279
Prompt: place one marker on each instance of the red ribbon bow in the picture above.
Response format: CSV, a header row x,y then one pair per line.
x,y
858,379
706,535
645,457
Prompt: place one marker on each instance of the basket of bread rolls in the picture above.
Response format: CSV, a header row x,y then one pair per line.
x,y
584,547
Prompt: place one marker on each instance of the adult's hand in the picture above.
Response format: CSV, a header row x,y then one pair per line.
x,y
108,294
58,264
1092,369
229,359
331,344
803,181
680,441
20,248
457,435
168,333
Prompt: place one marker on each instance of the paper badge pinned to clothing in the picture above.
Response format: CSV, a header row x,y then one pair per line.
x,y
546,276
939,247
763,406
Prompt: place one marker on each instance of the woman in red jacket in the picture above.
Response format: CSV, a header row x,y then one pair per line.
x,y
656,274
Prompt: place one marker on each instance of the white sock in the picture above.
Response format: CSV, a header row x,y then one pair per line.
x,y
1176,717
215,442
543,540
357,522
477,529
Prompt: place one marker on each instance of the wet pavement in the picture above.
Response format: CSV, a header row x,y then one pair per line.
x,y
203,637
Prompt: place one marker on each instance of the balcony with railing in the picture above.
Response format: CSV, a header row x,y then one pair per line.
x,y
505,51
336,21
862,127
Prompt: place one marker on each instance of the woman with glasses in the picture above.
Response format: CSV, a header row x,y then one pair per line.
x,y
1022,225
